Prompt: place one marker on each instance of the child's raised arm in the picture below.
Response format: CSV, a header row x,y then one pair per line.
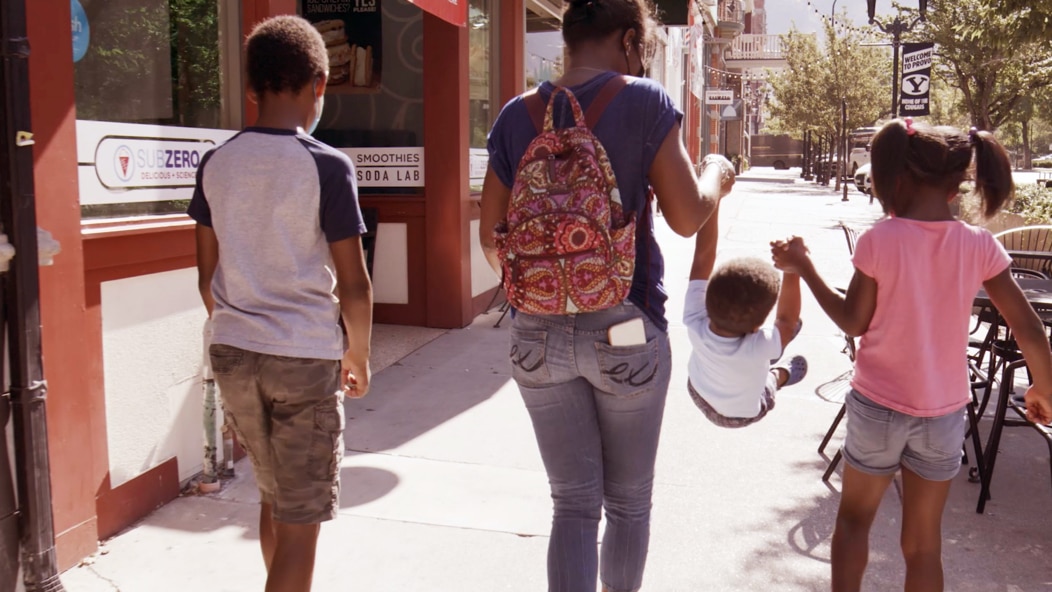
x,y
715,181
788,314
705,247
1030,335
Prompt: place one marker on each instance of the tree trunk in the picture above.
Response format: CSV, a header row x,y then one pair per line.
x,y
1027,156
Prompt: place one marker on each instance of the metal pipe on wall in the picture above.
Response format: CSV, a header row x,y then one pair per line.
x,y
22,306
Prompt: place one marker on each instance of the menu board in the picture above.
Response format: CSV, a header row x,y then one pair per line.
x,y
353,34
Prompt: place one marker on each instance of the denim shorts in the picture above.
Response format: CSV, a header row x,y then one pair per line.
x,y
880,440
288,416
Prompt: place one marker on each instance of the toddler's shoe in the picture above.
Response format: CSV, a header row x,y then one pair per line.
x,y
795,367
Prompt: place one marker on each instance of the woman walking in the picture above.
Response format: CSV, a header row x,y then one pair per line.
x,y
595,380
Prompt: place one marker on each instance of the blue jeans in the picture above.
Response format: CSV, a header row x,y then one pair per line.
x,y
596,411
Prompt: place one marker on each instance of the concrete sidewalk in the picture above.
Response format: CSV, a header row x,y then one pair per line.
x,y
444,488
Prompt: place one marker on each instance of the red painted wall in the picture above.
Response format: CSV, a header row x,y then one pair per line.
x,y
446,145
71,332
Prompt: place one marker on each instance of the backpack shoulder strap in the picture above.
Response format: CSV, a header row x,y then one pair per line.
x,y
535,107
602,100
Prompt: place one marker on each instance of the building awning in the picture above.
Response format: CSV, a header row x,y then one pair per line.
x,y
451,11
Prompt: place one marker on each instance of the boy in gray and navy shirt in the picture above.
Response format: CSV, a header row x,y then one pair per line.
x,y
280,262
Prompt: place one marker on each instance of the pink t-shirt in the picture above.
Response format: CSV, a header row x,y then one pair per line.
x,y
912,358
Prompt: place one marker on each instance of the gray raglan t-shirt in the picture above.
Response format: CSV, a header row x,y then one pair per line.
x,y
276,199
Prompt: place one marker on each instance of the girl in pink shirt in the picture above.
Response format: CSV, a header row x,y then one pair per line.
x,y
916,275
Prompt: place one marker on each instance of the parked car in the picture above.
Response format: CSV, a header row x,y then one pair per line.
x,y
826,164
863,181
1043,162
859,141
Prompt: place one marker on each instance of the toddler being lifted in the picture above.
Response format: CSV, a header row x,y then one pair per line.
x,y
733,370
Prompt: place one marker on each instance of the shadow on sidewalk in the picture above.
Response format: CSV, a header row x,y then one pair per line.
x,y
431,386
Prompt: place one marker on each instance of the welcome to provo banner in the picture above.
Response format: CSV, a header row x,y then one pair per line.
x,y
915,95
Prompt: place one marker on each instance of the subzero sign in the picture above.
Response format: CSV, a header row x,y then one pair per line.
x,y
915,95
136,163
353,35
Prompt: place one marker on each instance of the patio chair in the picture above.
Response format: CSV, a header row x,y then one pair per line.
x,y
987,315
1005,401
836,390
1037,239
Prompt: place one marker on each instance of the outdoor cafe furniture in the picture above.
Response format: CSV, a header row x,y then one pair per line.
x,y
1030,247
836,390
1004,355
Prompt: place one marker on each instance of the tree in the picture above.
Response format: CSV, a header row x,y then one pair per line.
x,y
806,95
994,77
1027,20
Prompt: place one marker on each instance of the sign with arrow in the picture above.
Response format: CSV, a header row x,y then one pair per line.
x,y
915,95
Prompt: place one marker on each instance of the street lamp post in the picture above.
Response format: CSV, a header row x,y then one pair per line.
x,y
836,76
896,28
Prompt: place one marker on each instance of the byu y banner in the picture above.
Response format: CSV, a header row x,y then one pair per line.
x,y
915,97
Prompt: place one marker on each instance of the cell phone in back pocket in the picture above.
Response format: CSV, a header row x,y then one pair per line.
x,y
630,332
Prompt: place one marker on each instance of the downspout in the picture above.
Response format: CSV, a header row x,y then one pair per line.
x,y
22,305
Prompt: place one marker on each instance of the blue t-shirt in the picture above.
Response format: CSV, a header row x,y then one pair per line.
x,y
631,129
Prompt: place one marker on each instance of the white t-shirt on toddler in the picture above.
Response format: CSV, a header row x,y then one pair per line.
x,y
730,373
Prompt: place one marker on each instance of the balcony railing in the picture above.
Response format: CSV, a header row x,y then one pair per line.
x,y
757,47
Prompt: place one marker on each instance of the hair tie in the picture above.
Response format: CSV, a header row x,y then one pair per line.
x,y
973,136
909,126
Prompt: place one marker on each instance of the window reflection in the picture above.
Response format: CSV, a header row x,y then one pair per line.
x,y
480,61
151,61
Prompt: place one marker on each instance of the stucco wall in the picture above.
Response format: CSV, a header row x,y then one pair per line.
x,y
152,359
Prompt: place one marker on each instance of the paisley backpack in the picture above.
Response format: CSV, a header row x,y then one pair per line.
x,y
567,246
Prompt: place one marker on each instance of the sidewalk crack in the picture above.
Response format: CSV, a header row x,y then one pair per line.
x,y
112,584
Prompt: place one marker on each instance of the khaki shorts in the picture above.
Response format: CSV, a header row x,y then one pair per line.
x,y
288,416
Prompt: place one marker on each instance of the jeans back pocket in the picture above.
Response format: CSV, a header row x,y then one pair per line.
x,y
528,355
628,371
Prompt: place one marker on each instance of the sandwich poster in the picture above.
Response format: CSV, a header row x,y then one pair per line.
x,y
352,30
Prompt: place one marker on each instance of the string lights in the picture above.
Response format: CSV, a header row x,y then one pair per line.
x,y
868,34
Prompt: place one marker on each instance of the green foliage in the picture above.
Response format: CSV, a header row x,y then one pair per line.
x,y
1026,20
806,96
1033,202
151,62
981,52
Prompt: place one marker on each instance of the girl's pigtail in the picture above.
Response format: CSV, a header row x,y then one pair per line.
x,y
993,172
888,154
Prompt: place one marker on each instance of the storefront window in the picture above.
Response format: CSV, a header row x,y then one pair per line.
x,y
157,84
151,61
374,104
483,74
544,56
482,59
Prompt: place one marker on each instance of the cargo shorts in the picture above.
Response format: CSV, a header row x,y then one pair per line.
x,y
287,414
